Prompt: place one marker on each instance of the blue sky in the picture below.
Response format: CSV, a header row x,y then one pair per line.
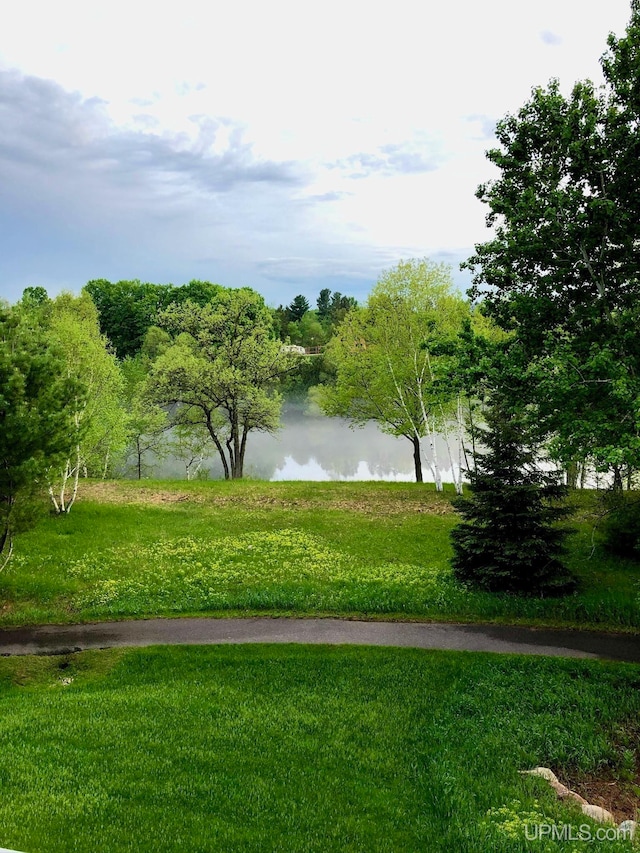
x,y
287,146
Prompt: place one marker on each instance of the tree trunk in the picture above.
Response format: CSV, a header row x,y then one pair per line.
x,y
76,477
617,478
236,446
5,536
435,466
417,460
53,500
572,475
460,433
220,448
472,430
583,474
243,447
457,478
233,462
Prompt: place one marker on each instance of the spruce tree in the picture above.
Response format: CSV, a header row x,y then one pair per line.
x,y
509,539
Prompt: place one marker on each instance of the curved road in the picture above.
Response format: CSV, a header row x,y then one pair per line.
x,y
60,639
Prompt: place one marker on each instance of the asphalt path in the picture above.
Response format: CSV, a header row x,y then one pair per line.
x,y
61,639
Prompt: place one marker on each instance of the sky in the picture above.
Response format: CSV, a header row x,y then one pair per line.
x,y
287,146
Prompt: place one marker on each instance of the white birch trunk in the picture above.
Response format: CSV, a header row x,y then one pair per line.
x,y
53,500
460,442
76,477
63,489
8,557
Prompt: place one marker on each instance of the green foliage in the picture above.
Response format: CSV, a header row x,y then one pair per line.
x,y
156,341
562,266
34,297
99,432
297,323
37,402
509,540
383,354
191,444
296,310
323,303
147,422
221,371
339,307
127,309
200,292
299,748
621,526
307,332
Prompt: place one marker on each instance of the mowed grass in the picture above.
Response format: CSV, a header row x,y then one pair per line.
x,y
296,748
378,550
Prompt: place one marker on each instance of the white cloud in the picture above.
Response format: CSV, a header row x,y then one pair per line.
x,y
166,142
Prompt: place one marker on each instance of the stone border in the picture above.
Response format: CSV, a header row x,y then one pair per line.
x,y
628,827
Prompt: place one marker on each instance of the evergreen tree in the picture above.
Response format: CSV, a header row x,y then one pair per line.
x,y
324,304
297,308
36,415
509,539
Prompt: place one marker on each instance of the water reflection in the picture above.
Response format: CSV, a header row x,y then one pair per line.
x,y
313,470
310,446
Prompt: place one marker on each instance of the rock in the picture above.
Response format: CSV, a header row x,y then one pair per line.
x,y
571,795
628,828
565,793
543,772
597,813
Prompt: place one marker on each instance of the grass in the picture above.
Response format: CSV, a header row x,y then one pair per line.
x,y
379,550
300,748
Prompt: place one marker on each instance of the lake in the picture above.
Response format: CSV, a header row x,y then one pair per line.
x,y
310,446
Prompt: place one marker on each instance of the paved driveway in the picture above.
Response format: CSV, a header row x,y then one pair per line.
x,y
57,639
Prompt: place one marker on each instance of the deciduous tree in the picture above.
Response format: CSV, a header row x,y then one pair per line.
x,y
147,422
384,362
561,271
222,370
98,432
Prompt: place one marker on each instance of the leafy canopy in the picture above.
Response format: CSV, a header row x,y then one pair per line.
x,y
37,400
221,371
561,269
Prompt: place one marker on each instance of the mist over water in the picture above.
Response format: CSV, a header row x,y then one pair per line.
x,y
310,446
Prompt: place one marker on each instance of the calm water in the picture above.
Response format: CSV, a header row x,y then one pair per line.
x,y
313,447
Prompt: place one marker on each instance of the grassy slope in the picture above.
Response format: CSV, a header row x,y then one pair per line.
x,y
297,748
377,549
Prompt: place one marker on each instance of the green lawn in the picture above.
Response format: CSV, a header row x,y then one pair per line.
x,y
372,549
299,748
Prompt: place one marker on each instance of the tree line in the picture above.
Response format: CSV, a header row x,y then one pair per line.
x,y
541,360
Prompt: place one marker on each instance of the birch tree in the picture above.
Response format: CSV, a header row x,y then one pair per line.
x,y
385,362
98,429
